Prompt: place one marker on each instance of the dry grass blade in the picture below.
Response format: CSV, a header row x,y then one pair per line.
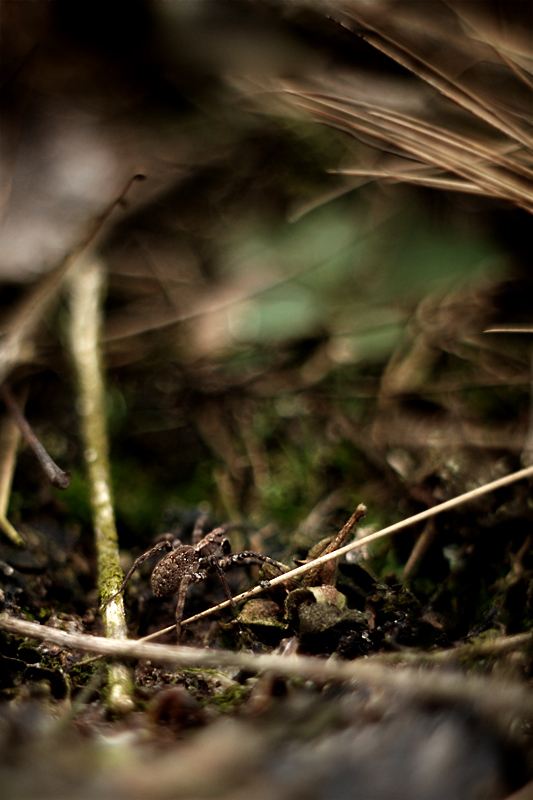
x,y
510,329
476,163
449,184
448,87
481,144
405,42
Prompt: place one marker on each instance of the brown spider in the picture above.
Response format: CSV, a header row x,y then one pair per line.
x,y
186,564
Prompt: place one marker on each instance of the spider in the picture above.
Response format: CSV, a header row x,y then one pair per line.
x,y
185,564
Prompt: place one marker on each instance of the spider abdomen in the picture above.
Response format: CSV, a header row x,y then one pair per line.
x,y
171,570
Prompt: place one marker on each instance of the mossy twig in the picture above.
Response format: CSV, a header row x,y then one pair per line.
x,y
86,286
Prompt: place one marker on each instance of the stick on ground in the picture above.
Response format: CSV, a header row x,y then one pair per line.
x,y
499,699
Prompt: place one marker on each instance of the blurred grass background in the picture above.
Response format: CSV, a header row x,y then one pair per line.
x,y
296,304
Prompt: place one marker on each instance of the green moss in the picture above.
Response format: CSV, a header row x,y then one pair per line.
x,y
80,674
230,700
212,689
110,577
487,636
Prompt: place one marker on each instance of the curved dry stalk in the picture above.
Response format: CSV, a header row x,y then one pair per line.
x,y
86,285
429,513
489,696
55,474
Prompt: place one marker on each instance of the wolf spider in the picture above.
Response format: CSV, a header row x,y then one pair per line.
x,y
186,564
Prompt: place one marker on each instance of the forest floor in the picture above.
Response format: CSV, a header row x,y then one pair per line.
x,y
315,301
445,602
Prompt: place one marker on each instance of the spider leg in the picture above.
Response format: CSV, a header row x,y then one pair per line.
x,y
186,581
198,533
164,545
250,557
223,581
212,562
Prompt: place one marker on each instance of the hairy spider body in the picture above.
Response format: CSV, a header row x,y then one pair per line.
x,y
186,564
169,573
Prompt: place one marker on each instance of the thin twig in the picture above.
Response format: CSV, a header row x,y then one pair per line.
x,y
19,328
422,545
58,477
488,695
85,321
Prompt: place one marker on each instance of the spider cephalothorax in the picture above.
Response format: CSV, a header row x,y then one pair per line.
x,y
185,564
